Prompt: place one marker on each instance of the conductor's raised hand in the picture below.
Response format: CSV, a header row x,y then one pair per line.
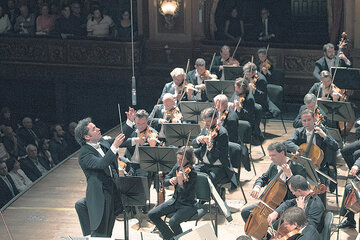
x,y
118,140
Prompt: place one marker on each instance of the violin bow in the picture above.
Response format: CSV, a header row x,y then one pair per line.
x,y
182,160
152,118
212,119
237,45
121,128
212,61
186,70
187,66
267,49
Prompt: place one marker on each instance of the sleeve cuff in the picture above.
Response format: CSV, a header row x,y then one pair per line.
x,y
133,141
130,123
114,149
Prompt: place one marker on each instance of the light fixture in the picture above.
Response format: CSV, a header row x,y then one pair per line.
x,y
169,9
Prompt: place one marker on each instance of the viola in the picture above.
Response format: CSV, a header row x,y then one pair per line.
x,y
174,115
148,134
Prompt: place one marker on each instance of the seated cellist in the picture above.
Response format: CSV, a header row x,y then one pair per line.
x,y
279,160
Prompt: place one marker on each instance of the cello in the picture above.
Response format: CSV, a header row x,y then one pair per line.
x,y
351,201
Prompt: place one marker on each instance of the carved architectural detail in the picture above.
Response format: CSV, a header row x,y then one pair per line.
x,y
303,64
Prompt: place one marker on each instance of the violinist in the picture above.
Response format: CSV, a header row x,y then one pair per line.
x,y
178,86
350,222
182,203
197,77
223,59
167,112
279,162
327,90
264,65
329,59
295,222
322,139
212,149
306,200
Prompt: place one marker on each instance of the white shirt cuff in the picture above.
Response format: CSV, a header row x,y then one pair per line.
x,y
130,123
133,141
114,149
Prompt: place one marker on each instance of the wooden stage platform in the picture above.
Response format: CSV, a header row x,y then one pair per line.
x,y
46,211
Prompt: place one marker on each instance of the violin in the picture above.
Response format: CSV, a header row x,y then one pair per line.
x,y
214,131
254,80
205,76
231,61
241,100
266,64
185,170
292,235
148,134
224,115
332,89
174,115
122,166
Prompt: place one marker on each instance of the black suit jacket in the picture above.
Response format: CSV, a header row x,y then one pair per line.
x,y
314,211
192,78
30,169
321,65
247,113
220,150
6,195
169,88
309,233
260,93
59,150
231,125
98,177
26,137
264,179
156,114
186,195
215,68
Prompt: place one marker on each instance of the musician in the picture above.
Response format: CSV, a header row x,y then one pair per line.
x,y
324,87
309,103
311,204
182,203
197,77
177,87
295,219
223,59
280,162
167,112
350,153
213,152
229,120
264,64
322,139
328,60
97,159
350,222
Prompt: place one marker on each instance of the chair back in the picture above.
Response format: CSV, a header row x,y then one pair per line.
x,y
277,77
202,187
275,93
244,131
325,233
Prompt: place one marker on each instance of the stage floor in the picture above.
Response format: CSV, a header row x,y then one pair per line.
x,y
46,211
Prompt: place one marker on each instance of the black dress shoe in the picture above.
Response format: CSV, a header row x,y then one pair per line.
x,y
347,224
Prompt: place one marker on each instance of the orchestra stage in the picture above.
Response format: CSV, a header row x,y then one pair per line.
x,y
46,211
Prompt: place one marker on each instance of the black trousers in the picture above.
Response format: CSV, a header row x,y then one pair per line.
x,y
351,152
181,214
216,173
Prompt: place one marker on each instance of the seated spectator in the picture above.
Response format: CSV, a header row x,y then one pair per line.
x,y
7,119
65,25
58,146
8,189
234,26
25,23
99,25
22,182
80,19
44,151
34,166
45,23
12,12
54,10
10,141
26,135
5,24
73,145
41,128
124,28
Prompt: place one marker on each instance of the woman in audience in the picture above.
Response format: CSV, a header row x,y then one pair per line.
x,y
5,24
45,23
99,25
124,28
44,151
22,182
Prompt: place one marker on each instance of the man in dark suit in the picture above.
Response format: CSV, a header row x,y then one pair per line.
x,y
33,165
329,60
26,135
279,163
322,89
182,203
213,152
295,219
267,28
322,139
197,77
58,146
311,204
8,189
217,67
97,159
176,86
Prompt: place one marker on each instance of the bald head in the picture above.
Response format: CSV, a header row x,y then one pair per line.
x,y
168,101
27,123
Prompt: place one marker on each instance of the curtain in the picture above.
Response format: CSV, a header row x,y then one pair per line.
x,y
335,19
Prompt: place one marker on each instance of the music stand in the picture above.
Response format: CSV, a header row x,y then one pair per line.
x,y
232,72
335,133
134,191
346,78
216,87
177,134
339,111
155,159
191,110
311,174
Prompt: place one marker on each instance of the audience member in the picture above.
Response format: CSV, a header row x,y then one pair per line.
x,y
124,28
8,189
22,182
5,24
73,145
45,23
25,23
267,27
10,141
12,12
79,19
99,25
234,26
65,26
58,146
26,135
7,119
34,166
44,151
54,10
